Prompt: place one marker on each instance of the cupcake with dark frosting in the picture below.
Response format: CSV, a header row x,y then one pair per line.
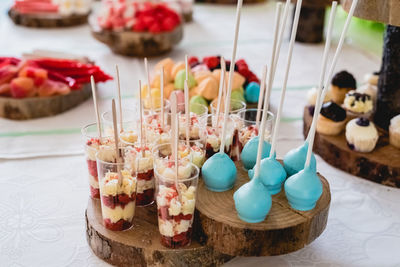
x,y
332,119
341,84
358,104
361,135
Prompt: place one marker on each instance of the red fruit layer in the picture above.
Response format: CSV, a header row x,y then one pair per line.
x,y
119,200
177,241
92,167
164,214
118,226
94,192
145,198
146,175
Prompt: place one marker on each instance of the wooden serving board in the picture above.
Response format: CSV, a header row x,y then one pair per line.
x,y
284,230
37,107
138,44
382,165
140,246
46,20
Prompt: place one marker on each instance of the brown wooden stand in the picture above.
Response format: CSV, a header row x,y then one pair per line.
x,y
46,20
284,230
382,165
140,246
37,107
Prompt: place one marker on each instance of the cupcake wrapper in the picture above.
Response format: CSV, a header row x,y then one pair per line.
x,y
329,127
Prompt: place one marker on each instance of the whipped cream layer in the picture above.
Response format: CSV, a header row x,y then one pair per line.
x,y
109,184
126,213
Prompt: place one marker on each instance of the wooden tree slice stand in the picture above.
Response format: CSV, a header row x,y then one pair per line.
x,y
218,234
37,107
46,20
382,165
284,230
138,44
140,246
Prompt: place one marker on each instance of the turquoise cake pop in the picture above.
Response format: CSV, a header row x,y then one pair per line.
x,y
252,92
249,152
253,200
304,188
294,160
272,174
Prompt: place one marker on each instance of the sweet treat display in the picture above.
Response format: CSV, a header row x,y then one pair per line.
x,y
361,135
118,197
141,164
249,152
204,78
50,13
341,84
394,131
176,199
213,141
332,119
136,28
294,160
358,104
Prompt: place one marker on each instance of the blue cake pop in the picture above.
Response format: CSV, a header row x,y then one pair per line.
x,y
252,92
249,152
219,172
294,160
272,174
252,201
303,189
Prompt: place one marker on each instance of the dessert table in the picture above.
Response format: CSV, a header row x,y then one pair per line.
x,y
43,186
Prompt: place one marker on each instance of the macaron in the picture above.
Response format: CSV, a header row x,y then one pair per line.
x,y
176,68
238,80
168,64
180,80
238,95
208,88
198,100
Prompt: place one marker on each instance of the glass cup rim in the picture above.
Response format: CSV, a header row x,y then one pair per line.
x,y
212,104
270,116
191,178
110,111
195,104
167,105
85,133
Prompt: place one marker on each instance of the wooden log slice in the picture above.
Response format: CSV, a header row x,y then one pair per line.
x,y
284,230
138,44
37,107
46,20
382,165
140,246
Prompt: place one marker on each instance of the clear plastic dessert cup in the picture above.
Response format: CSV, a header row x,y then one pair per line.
x,y
198,121
118,194
176,202
156,109
154,130
236,106
129,124
214,133
139,161
163,153
92,145
247,128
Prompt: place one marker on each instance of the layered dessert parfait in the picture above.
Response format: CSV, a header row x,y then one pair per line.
x,y
176,199
154,131
118,199
198,152
214,133
197,124
139,160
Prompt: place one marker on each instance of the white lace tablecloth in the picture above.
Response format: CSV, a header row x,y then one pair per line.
x,y
43,184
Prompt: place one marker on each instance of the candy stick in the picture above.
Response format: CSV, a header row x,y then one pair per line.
x,y
96,107
146,67
317,108
187,113
261,132
186,68
261,96
119,97
114,115
141,120
323,68
174,138
162,97
221,89
288,63
231,71
281,32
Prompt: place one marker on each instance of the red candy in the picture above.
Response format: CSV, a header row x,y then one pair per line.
x,y
211,62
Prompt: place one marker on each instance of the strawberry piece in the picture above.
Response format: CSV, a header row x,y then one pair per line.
x,y
212,62
193,61
123,199
168,24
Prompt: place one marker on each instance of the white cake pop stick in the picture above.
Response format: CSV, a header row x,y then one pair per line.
x,y
162,96
231,71
175,138
187,112
146,67
220,91
261,132
96,107
261,96
328,78
119,97
186,68
114,116
288,63
141,121
311,133
282,29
